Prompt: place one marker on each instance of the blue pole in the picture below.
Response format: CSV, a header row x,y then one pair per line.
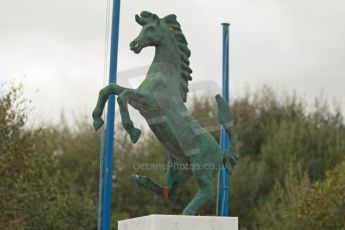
x,y
224,140
109,143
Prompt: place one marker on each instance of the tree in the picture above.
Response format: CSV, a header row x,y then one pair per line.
x,y
34,191
49,175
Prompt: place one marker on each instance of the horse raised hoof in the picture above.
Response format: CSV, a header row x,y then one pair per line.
x,y
140,181
97,123
134,135
135,179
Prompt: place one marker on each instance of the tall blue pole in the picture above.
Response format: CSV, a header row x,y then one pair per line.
x,y
109,143
224,140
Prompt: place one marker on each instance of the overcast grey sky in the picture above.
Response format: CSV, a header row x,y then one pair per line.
x,y
56,47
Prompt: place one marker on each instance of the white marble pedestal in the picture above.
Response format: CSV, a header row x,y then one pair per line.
x,y
172,222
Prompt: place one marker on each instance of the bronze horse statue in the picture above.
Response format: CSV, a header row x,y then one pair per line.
x,y
160,99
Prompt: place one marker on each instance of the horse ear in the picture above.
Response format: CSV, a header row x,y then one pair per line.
x,y
139,20
171,18
146,14
156,18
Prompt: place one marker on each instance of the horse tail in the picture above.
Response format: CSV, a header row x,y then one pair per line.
x,y
230,157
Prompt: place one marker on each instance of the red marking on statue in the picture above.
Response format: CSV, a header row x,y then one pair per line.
x,y
165,193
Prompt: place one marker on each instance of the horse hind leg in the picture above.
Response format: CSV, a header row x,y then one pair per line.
x,y
148,183
167,192
204,194
175,177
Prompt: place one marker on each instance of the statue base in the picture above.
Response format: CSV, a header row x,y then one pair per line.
x,y
174,222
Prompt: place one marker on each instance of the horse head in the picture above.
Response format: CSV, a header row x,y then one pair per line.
x,y
152,32
165,33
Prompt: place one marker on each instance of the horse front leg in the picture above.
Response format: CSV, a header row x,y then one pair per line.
x,y
127,123
140,102
111,89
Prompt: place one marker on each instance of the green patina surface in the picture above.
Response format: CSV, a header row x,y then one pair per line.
x,y
160,100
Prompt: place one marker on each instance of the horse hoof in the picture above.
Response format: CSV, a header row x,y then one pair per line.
x,y
97,123
135,180
140,181
134,135
187,213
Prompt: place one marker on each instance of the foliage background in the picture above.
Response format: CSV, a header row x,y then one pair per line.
x,y
291,173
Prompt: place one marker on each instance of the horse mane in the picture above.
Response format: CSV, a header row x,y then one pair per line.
x,y
174,27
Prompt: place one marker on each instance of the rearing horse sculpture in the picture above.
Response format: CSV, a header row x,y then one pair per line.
x,y
160,100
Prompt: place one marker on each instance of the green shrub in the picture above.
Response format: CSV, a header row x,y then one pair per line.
x,y
49,175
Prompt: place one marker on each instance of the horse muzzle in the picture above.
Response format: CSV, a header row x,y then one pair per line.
x,y
135,46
